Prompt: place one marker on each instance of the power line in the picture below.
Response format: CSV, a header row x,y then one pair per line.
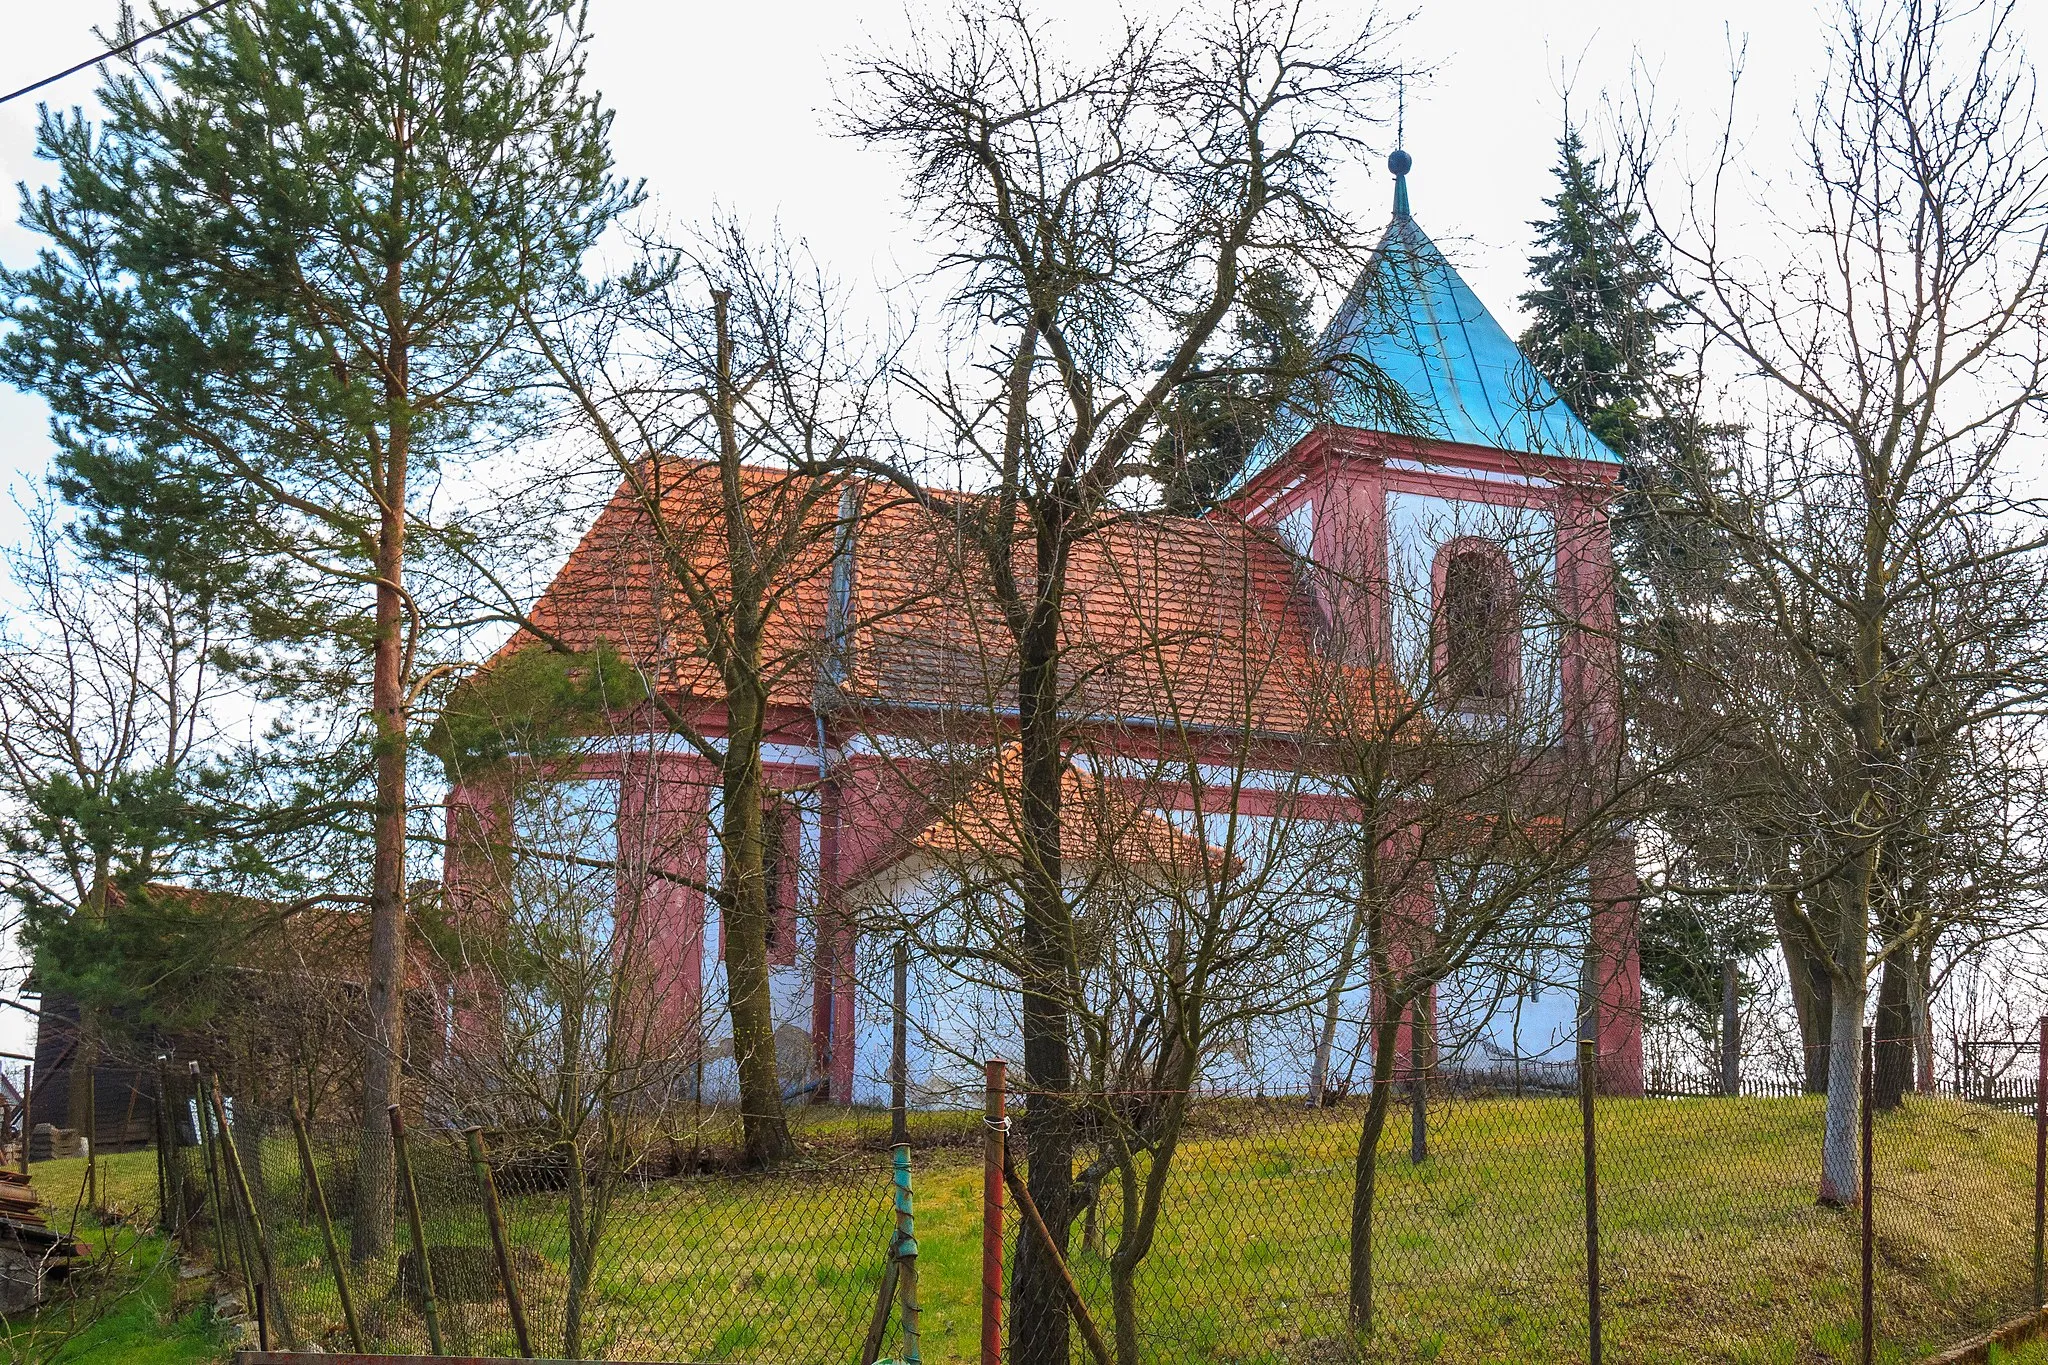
x,y
128,46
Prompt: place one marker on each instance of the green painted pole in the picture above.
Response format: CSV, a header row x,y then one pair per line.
x,y
906,1256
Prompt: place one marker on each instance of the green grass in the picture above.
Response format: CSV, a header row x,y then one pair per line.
x,y
1712,1246
2030,1353
129,1305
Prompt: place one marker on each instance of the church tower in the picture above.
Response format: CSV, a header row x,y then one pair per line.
x,y
1449,517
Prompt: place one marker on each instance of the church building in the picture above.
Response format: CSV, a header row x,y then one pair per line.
x,y
1438,520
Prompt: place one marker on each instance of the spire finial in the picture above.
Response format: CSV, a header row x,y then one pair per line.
x,y
1400,162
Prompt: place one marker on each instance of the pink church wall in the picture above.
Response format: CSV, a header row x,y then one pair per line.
x,y
868,803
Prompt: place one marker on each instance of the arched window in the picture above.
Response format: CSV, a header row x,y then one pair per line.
x,y
1477,645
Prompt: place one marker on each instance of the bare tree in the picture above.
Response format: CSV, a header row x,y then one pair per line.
x,y
1486,793
731,404
570,1051
1190,864
1098,220
1893,339
109,689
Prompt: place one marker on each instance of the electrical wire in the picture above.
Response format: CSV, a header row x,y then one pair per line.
x,y
128,46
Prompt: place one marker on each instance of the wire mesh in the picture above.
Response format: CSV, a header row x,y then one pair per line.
x,y
1232,1242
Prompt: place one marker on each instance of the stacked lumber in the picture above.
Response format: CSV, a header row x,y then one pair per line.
x,y
22,1222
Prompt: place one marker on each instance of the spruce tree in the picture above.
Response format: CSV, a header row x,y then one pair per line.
x,y
273,310
1599,334
1211,425
1596,331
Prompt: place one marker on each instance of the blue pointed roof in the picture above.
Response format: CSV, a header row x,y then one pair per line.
x,y
1412,319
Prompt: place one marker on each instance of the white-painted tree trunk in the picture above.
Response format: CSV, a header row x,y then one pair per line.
x,y
1841,1181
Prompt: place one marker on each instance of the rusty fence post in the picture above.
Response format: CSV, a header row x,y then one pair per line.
x,y
266,1288
2041,1167
899,1049
429,1309
318,1198
494,1219
994,1115
1869,1089
1589,1065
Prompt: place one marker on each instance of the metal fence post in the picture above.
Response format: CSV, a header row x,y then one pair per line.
x,y
1869,1199
163,1156
266,1288
1731,1029
428,1308
209,1143
474,1138
319,1200
2041,1167
994,1114
1420,1056
1589,1061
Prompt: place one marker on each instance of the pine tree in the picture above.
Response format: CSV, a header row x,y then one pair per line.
x,y
274,306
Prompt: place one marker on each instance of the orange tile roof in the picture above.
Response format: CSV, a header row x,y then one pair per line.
x,y
1196,622
1098,822
623,583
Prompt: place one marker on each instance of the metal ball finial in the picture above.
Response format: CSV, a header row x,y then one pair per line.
x,y
1400,162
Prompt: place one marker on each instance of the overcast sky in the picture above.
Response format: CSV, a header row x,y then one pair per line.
x,y
729,106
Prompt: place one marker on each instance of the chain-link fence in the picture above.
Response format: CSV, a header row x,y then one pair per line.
x,y
1224,1228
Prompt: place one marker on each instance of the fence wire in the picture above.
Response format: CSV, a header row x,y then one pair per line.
x,y
1235,1242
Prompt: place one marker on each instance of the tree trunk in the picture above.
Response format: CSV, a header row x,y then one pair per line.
x,y
1365,1171
1333,1001
1812,994
1038,1320
764,1126
1920,1007
1143,1200
85,1053
1841,1181
384,991
1894,1061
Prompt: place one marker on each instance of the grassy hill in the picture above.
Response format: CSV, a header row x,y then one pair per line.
x,y
1712,1246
